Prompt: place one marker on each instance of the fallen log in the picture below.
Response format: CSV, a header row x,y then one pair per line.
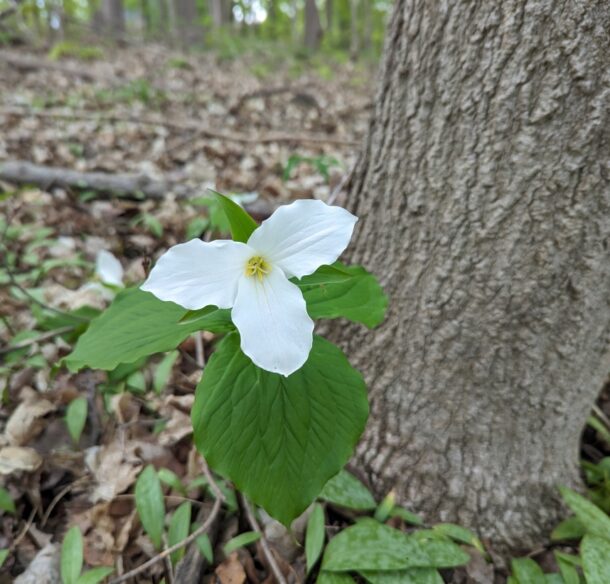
x,y
132,186
20,172
27,63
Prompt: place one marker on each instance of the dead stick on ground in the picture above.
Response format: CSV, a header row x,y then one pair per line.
x,y
201,129
22,172
266,549
170,550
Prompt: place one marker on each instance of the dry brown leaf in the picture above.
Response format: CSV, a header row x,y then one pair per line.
x,y
44,568
25,422
231,571
17,459
178,426
114,468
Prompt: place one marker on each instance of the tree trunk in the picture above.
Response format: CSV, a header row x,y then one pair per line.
x,y
313,28
186,22
113,17
354,41
220,10
483,194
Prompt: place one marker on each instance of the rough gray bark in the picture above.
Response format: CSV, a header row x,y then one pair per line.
x,y
483,194
113,17
313,28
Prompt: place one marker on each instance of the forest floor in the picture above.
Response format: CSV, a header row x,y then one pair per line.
x,y
188,123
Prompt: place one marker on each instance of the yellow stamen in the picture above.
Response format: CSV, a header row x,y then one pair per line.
x,y
258,267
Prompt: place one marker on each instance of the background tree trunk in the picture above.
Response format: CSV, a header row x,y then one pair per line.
x,y
484,202
113,17
313,28
187,27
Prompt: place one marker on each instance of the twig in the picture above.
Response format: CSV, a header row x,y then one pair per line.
x,y
25,529
220,498
43,337
170,550
263,541
203,130
58,498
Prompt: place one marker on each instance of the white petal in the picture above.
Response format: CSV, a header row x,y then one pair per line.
x,y
304,235
270,314
197,274
108,268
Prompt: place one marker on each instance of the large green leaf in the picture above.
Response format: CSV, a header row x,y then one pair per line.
x,y
346,490
594,520
135,325
334,578
242,225
595,553
344,291
372,546
413,576
279,439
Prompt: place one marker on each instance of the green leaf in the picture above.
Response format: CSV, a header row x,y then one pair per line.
x,y
242,225
6,502
595,552
242,540
553,579
345,490
178,531
567,569
94,576
72,556
171,479
279,439
406,516
135,325
205,547
570,528
76,417
385,507
595,521
372,546
150,504
459,534
334,578
526,571
3,555
413,576
163,371
314,538
344,291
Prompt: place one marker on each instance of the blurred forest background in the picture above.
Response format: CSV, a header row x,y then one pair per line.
x,y
343,28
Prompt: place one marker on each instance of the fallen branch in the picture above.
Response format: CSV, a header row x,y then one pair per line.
x,y
26,173
27,63
201,129
263,541
170,550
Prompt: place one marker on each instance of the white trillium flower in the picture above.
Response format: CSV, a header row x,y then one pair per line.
x,y
108,268
252,278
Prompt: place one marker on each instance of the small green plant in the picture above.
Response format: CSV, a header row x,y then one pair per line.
x,y
321,163
78,51
76,417
72,561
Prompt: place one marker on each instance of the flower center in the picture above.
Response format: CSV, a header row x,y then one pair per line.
x,y
258,267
